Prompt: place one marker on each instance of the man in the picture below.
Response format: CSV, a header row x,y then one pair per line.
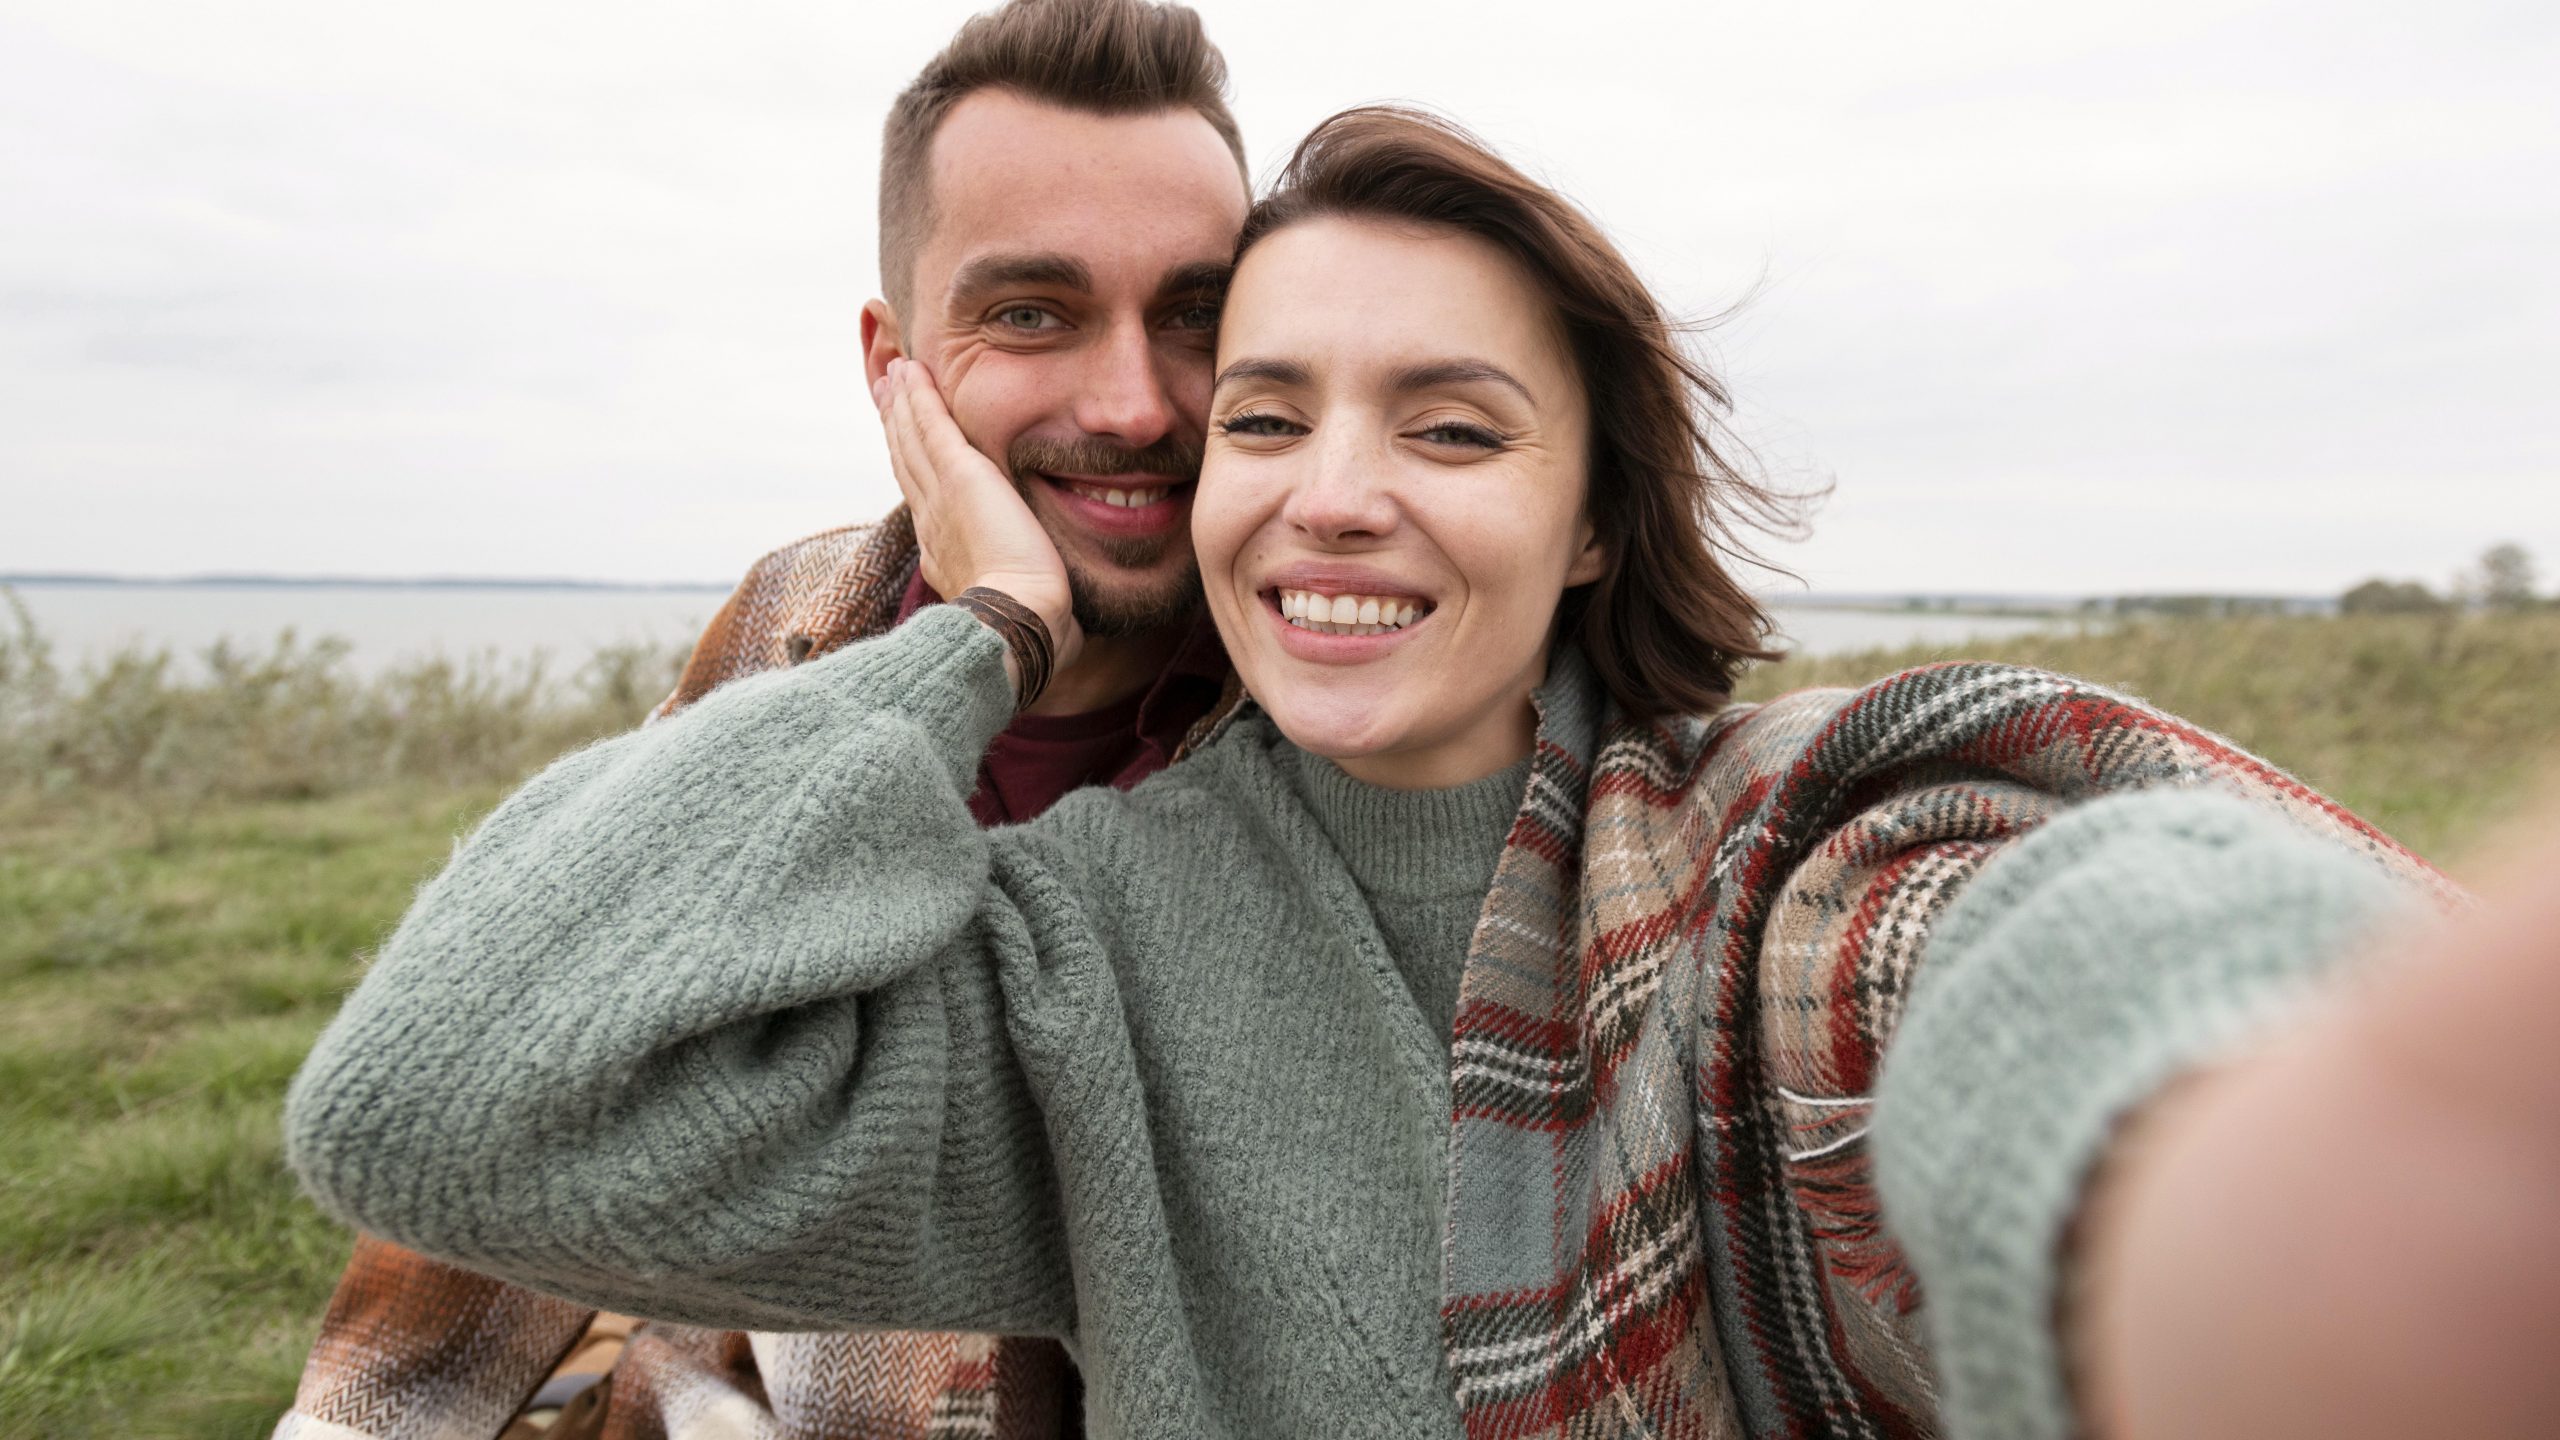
x,y
1060,191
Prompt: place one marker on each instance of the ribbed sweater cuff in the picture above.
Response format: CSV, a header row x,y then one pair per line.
x,y
2126,942
943,670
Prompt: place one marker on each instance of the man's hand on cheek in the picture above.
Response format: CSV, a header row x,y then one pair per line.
x,y
972,527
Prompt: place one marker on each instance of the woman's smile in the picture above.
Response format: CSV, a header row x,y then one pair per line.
x,y
1335,614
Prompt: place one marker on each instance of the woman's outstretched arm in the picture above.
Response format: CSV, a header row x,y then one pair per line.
x,y
2178,1150
2355,1232
710,1021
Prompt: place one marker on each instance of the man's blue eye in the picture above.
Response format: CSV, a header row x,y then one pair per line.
x,y
1025,317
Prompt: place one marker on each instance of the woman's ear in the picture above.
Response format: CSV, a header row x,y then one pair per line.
x,y
1592,560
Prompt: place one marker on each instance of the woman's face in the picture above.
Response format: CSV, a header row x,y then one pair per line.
x,y
1392,501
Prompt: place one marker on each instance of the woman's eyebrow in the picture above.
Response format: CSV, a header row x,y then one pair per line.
x,y
1433,374
1278,372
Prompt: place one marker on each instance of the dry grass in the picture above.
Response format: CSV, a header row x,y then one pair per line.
x,y
2435,728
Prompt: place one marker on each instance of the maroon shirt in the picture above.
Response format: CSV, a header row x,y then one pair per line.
x,y
1041,757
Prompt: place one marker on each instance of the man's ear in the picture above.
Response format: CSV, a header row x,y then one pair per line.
x,y
1591,561
881,342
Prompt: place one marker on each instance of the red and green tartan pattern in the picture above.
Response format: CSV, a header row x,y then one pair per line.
x,y
1661,1222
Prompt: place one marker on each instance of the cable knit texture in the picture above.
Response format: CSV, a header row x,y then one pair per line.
x,y
741,1020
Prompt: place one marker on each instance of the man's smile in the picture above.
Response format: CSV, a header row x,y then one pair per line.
x,y
1121,505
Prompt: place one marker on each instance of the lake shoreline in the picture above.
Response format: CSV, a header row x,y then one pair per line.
x,y
387,625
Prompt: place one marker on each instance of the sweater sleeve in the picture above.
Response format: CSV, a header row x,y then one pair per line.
x,y
709,1022
2127,941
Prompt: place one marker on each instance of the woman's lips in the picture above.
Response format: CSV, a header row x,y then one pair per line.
x,y
1373,624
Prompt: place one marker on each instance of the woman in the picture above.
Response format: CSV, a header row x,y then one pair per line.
x,y
741,1020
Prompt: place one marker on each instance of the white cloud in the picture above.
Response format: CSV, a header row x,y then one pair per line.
x,y
2065,298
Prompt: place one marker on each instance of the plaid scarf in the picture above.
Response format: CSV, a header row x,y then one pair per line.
x,y
1660,1217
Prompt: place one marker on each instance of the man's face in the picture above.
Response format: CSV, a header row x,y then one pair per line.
x,y
1064,302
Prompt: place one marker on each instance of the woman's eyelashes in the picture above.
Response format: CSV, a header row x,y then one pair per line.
x,y
1461,433
1453,434
1259,426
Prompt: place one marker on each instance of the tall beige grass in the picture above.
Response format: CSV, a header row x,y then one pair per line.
x,y
293,720
2434,727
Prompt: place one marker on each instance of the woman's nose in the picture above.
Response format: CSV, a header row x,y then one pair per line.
x,y
1341,495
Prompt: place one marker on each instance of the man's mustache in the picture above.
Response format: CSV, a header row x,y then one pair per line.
x,y
1090,456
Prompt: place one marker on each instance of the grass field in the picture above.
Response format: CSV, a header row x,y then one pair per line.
x,y
191,871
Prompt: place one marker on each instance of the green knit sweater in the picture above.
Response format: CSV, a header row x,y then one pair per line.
x,y
741,1020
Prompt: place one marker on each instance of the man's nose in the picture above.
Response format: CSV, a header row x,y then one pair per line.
x,y
1341,495
1124,396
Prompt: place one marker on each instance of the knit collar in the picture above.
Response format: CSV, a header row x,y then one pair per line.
x,y
1411,844
1416,844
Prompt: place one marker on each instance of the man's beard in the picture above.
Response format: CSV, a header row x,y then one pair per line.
x,y
1102,608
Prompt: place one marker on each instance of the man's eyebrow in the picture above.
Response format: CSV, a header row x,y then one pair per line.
x,y
1197,279
1278,372
1436,373
997,272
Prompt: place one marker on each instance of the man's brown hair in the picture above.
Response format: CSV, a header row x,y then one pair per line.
x,y
1666,626
1104,57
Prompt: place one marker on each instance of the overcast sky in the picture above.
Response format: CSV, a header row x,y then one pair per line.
x,y
2062,297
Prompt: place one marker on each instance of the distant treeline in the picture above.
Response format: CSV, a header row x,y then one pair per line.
x,y
2502,579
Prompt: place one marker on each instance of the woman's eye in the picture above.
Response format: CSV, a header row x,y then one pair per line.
x,y
1025,317
1454,432
1259,425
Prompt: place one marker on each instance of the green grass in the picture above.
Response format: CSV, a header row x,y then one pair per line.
x,y
158,1273
183,901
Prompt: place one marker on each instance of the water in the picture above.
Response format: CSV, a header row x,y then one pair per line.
x,y
388,626
1821,630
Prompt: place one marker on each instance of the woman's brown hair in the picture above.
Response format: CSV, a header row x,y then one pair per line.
x,y
1667,627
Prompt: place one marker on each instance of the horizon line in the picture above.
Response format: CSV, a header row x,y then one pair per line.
x,y
258,579
248,579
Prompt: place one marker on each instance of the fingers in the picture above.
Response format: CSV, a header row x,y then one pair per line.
x,y
888,395
923,433
936,435
970,520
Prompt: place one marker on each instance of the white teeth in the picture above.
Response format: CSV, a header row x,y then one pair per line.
x,y
1348,614
1124,499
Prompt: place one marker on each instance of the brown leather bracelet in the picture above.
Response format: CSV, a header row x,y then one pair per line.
x,y
1035,653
